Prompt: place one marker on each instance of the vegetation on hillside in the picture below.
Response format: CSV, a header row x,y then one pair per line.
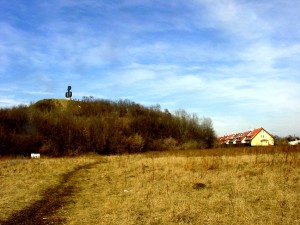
x,y
60,127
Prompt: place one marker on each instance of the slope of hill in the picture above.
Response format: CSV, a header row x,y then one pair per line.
x,y
58,103
63,127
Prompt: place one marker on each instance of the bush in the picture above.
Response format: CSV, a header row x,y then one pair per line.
x,y
135,143
192,144
169,143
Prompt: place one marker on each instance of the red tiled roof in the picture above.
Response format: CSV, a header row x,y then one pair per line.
x,y
252,134
243,135
238,137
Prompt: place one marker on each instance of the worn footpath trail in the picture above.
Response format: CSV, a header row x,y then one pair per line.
x,y
44,210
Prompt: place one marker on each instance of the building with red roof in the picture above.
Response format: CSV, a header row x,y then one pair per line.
x,y
254,137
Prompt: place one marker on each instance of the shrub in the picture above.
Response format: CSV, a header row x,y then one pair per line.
x,y
135,143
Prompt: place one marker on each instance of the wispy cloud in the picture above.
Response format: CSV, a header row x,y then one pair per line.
x,y
235,61
241,19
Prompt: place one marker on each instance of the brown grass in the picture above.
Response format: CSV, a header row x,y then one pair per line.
x,y
238,186
23,181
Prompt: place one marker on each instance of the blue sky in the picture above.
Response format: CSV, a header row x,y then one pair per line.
x,y
234,61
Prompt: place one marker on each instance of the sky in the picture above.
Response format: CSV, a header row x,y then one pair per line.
x,y
234,61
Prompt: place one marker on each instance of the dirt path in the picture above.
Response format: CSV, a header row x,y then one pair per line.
x,y
43,211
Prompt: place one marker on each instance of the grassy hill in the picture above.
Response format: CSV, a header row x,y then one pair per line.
x,y
63,127
57,103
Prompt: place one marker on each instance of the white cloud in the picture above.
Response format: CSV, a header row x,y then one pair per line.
x,y
241,19
217,58
266,55
10,101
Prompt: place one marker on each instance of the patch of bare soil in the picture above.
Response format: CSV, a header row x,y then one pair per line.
x,y
44,210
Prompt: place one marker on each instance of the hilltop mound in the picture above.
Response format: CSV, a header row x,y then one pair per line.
x,y
64,127
52,103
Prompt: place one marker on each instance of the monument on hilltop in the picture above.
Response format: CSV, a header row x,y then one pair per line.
x,y
69,93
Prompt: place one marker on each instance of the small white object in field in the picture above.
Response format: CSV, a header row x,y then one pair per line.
x,y
35,155
125,190
296,142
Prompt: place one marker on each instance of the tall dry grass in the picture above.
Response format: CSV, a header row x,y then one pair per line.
x,y
161,188
23,181
223,186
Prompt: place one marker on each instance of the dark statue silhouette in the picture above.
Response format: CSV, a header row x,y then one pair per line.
x,y
69,93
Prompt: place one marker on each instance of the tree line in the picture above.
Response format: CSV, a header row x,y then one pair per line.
x,y
61,127
285,140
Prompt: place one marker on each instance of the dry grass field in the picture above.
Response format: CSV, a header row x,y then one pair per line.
x,y
219,186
